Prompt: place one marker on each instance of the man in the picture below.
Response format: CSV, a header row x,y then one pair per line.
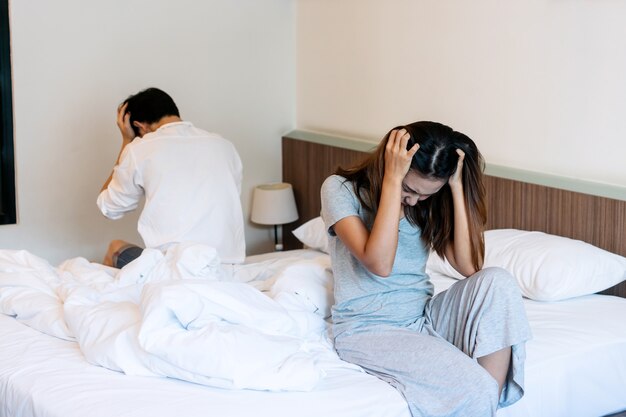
x,y
191,181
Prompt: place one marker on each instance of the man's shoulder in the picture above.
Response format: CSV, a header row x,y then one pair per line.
x,y
183,129
197,131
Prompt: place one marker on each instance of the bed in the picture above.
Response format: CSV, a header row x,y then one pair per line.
x,y
48,346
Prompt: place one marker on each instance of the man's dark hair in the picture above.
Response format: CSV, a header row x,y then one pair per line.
x,y
150,106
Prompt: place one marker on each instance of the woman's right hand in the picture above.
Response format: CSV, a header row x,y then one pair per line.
x,y
376,248
397,156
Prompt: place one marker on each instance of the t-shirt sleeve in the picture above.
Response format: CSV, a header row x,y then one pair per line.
x,y
338,201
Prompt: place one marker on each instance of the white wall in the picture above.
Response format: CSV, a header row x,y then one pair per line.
x,y
229,65
538,84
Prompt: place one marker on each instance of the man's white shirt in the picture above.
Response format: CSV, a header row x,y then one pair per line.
x,y
191,180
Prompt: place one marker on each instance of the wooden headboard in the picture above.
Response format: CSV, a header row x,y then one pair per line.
x,y
308,158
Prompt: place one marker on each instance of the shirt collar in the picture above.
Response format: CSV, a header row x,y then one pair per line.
x,y
173,124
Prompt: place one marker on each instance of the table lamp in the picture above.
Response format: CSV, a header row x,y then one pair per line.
x,y
274,204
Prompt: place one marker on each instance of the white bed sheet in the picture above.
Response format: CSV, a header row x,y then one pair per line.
x,y
41,376
576,367
576,361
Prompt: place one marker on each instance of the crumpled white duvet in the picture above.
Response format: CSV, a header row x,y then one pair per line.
x,y
181,315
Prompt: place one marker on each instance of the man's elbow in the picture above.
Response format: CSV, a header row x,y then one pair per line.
x,y
107,212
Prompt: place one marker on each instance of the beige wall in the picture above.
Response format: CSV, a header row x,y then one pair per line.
x,y
229,65
539,84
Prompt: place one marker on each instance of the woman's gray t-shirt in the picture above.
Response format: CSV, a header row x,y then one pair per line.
x,y
363,299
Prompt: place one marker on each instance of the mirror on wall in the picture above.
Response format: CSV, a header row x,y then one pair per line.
x,y
8,213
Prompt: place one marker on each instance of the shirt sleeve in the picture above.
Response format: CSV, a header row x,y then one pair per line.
x,y
238,170
124,191
338,201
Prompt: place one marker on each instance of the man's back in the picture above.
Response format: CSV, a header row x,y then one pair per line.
x,y
192,185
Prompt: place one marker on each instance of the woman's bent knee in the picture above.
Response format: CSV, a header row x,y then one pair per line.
x,y
499,279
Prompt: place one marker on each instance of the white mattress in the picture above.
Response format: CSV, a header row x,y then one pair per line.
x,y
576,367
41,376
576,361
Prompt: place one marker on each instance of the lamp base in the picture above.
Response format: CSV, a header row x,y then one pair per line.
x,y
277,246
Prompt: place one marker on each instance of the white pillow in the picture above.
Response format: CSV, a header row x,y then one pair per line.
x,y
313,234
547,267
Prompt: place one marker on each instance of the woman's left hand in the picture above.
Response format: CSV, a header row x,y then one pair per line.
x,y
457,178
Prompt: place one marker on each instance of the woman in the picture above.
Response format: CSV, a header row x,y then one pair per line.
x,y
461,352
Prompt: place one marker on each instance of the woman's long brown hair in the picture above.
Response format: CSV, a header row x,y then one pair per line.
x,y
436,159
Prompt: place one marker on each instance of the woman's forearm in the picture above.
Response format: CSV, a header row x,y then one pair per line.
x,y
382,244
459,252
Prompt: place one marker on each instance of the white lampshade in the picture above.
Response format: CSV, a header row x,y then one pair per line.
x,y
274,204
